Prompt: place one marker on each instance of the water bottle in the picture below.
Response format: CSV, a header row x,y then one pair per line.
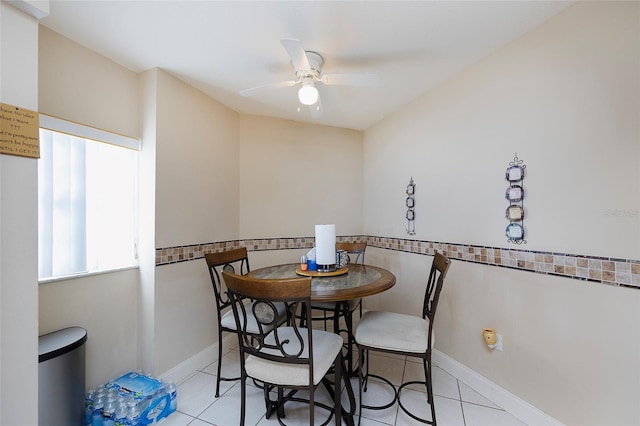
x,y
123,402
108,413
88,407
121,414
173,397
113,393
133,416
154,410
143,405
96,419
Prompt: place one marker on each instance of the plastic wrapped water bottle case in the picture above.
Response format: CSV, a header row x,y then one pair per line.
x,y
130,400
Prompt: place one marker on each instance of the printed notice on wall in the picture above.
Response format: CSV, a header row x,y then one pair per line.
x,y
19,131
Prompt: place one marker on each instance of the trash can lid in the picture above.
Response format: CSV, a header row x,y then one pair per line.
x,y
60,342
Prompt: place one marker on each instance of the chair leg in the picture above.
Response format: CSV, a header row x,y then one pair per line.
x,y
366,376
336,318
430,390
281,413
360,380
348,318
219,363
243,399
268,407
428,382
427,378
303,316
312,405
337,400
364,382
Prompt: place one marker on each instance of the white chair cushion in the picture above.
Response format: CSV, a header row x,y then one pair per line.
x,y
326,346
393,331
229,321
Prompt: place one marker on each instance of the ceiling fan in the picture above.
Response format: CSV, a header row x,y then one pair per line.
x,y
308,71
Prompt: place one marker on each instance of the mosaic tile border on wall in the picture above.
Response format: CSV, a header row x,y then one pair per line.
x,y
169,255
603,270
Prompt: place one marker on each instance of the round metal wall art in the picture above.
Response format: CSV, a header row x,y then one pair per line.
x,y
515,193
410,202
514,212
515,232
514,174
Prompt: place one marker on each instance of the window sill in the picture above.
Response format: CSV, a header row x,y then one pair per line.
x,y
85,274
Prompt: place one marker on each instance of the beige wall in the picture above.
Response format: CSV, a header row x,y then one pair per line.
x,y
80,85
105,305
187,159
18,229
197,166
238,175
197,185
565,99
294,176
147,210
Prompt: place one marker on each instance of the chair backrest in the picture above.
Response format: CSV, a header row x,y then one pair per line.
x,y
354,250
284,344
234,260
439,269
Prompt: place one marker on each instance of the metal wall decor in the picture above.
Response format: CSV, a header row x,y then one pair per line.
x,y
515,196
411,203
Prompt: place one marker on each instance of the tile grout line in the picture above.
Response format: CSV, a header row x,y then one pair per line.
x,y
464,420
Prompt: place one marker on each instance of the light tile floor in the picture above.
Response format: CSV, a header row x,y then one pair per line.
x,y
456,403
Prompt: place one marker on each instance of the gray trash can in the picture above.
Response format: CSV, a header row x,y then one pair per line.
x,y
61,377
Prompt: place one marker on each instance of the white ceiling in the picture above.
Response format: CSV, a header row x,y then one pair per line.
x,y
222,47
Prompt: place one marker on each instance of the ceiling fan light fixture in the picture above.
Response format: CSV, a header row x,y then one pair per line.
x,y
308,94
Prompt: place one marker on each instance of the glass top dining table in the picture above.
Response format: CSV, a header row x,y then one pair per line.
x,y
359,281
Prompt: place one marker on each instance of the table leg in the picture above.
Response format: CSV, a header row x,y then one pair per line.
x,y
342,309
347,416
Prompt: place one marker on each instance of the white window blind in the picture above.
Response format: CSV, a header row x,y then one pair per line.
x,y
87,200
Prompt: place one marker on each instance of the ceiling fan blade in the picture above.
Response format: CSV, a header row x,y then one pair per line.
x,y
296,53
366,80
252,90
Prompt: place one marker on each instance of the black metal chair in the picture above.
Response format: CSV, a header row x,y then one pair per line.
x,y
217,262
333,311
402,334
288,357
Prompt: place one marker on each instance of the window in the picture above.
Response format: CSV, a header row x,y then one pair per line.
x,y
87,200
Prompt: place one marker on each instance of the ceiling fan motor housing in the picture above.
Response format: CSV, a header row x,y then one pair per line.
x,y
315,65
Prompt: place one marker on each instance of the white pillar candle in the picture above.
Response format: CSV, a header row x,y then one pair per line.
x,y
326,244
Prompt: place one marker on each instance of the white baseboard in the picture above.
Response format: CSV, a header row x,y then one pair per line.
x,y
188,367
515,406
